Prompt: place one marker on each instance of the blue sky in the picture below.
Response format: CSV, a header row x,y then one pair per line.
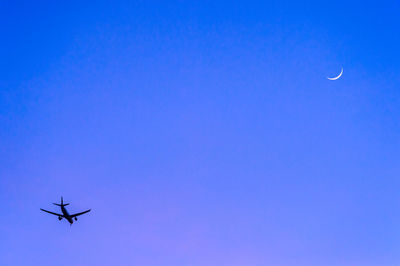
x,y
200,133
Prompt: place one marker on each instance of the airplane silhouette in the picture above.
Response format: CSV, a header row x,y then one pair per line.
x,y
65,214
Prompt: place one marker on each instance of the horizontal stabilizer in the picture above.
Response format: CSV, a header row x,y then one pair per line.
x,y
61,204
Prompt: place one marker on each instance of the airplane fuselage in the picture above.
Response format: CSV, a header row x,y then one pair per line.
x,y
66,215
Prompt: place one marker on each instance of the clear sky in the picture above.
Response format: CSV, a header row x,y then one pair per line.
x,y
200,132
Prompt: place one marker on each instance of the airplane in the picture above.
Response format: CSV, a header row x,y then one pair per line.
x,y
65,213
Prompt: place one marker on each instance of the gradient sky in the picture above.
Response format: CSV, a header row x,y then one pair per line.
x,y
200,132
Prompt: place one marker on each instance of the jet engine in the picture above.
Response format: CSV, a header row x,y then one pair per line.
x,y
76,219
59,218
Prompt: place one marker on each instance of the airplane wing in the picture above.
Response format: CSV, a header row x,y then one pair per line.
x,y
53,213
77,214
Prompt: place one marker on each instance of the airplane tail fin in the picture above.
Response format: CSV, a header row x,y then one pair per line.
x,y
62,203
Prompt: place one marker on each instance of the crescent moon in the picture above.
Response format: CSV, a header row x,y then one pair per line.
x,y
335,78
